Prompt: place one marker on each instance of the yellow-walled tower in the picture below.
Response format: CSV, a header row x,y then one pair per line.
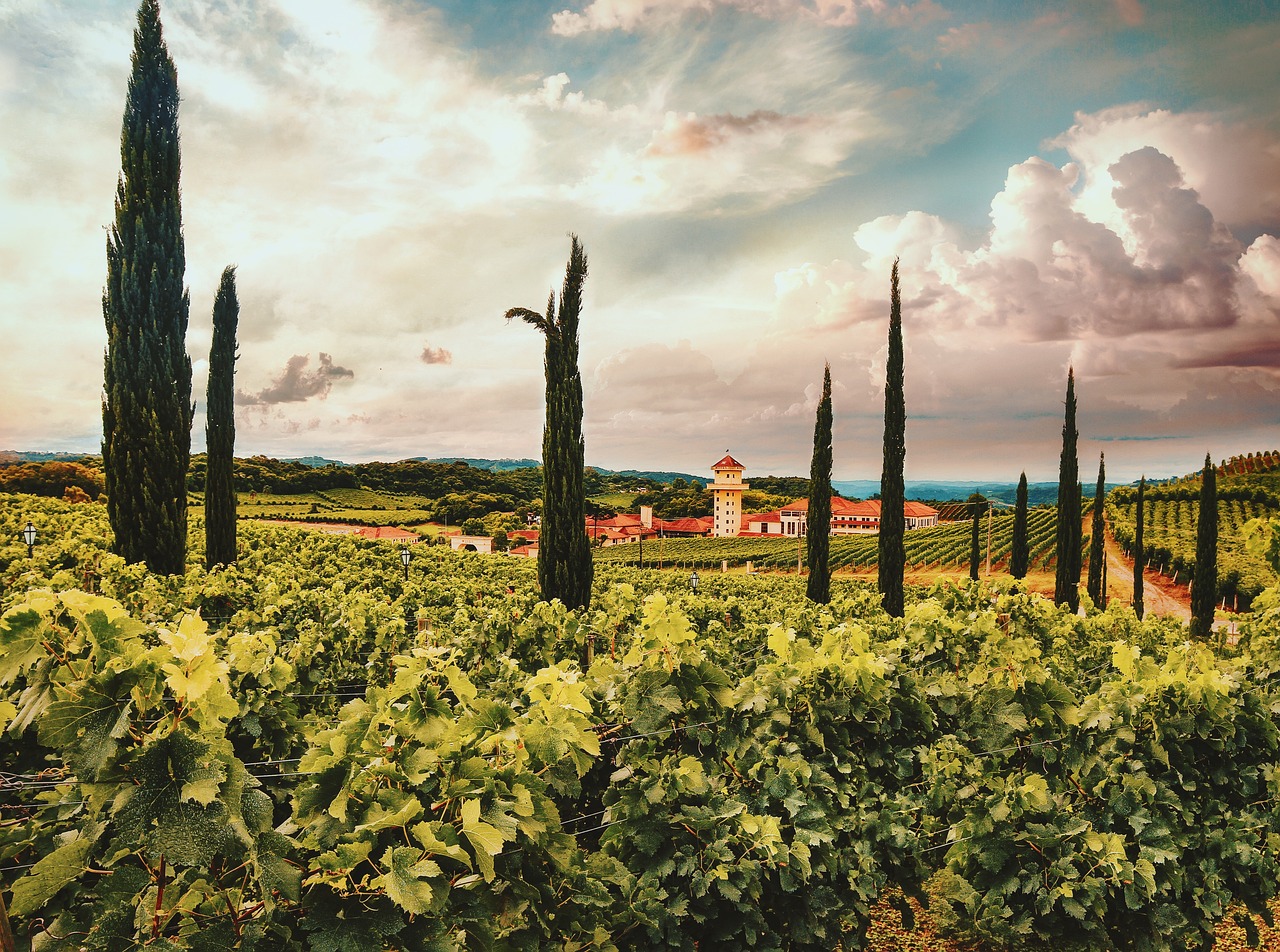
x,y
727,490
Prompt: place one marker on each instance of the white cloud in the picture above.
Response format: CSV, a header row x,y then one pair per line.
x,y
1235,168
627,15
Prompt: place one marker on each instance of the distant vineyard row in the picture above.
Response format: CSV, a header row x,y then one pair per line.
x,y
1169,536
940,546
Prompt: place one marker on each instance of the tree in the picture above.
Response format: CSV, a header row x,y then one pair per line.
x,y
1204,582
1020,556
564,551
977,506
146,404
891,549
1139,552
1097,537
1066,584
819,534
220,429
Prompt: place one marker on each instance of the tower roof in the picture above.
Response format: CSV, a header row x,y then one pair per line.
x,y
727,463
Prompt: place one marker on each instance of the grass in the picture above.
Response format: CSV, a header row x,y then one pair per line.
x,y
621,502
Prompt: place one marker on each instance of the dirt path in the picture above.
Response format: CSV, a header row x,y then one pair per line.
x,y
1156,600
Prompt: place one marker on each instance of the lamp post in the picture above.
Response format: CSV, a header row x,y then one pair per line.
x,y
29,537
693,582
405,558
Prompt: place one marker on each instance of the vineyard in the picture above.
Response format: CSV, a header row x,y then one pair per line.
x,y
940,546
363,507
1169,534
310,750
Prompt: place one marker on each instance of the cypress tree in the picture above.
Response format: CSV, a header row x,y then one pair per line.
x,y
220,429
1066,584
146,405
1139,552
819,535
1204,583
1020,556
1097,537
891,551
564,551
977,506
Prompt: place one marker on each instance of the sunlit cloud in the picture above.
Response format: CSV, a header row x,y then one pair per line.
x,y
627,15
435,355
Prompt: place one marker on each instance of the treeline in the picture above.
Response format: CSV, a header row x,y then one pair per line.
x,y
683,498
56,478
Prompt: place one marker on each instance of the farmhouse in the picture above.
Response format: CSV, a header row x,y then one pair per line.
x,y
847,518
628,527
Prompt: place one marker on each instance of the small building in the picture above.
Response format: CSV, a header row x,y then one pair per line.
x,y
470,543
847,518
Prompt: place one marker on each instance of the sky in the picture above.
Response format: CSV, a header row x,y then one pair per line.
x,y
1091,185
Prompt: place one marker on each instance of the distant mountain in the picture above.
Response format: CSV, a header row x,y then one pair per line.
x,y
315,462
23,456
960,490
655,475
505,465
492,465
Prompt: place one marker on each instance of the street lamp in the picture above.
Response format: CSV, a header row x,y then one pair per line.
x,y
405,558
693,582
29,537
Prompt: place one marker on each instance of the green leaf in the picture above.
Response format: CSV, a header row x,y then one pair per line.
x,y
204,783
47,878
486,840
403,809
406,878
87,725
440,839
23,631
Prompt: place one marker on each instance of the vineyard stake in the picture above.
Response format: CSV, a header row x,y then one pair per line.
x,y
6,931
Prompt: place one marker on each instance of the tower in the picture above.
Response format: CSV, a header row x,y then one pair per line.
x,y
727,490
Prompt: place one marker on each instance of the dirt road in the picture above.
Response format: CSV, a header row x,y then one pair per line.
x,y
1155,599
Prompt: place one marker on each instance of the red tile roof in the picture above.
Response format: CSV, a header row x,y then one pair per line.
x,y
687,524
727,463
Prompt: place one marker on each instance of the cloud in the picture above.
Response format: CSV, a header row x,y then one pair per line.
x,y
628,15
435,355
1233,167
1047,271
761,160
551,95
1262,264
691,135
296,384
1131,12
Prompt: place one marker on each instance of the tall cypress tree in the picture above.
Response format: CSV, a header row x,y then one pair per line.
x,y
977,506
819,533
1066,584
1097,536
1020,556
220,428
1204,583
146,405
891,555
1139,550
564,551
